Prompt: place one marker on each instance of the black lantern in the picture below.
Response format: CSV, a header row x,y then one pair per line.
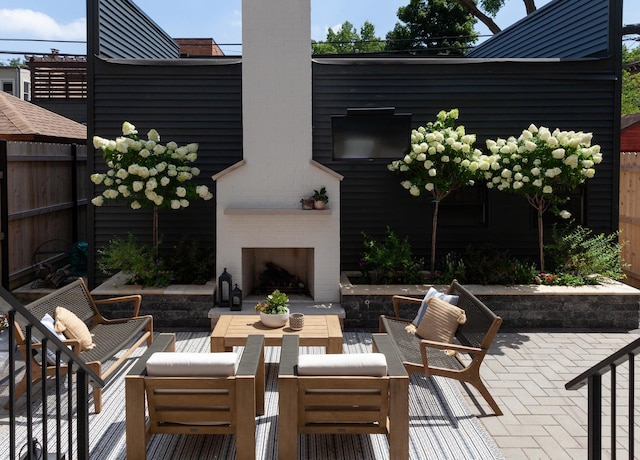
x,y
236,298
224,289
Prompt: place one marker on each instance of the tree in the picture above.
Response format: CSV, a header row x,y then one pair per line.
x,y
442,159
432,27
630,82
491,8
347,40
14,62
542,165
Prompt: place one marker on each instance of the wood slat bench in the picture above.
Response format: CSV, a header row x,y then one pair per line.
x,y
473,338
110,336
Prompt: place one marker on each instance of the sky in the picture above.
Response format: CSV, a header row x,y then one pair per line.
x,y
65,21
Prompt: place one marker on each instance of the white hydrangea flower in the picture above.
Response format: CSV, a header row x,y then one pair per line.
x,y
97,178
128,129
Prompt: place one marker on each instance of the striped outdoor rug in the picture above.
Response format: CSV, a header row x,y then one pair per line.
x,y
441,426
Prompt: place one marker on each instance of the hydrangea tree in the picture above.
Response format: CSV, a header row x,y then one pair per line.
x,y
442,159
148,174
542,165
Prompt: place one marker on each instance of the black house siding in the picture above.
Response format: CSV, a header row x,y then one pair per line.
x,y
496,98
201,101
185,103
559,29
125,31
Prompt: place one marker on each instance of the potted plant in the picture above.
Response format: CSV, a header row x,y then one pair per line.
x,y
320,198
274,310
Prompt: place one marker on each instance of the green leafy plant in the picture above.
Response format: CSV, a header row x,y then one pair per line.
x,y
321,195
577,255
487,265
138,260
390,261
190,263
276,303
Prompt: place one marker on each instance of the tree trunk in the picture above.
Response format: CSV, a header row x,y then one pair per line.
x,y
472,8
541,241
530,5
541,205
433,236
154,236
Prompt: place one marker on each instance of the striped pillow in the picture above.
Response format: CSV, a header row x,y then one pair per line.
x,y
452,299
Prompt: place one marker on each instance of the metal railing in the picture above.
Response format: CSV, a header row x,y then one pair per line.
x,y
60,423
593,378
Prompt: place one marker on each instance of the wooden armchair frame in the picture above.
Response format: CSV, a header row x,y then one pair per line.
x,y
196,405
474,338
111,336
343,404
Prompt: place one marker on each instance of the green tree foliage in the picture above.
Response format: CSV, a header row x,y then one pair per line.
x,y
15,62
630,83
433,27
347,40
486,10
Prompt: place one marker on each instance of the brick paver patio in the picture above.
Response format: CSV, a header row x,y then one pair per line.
x,y
526,373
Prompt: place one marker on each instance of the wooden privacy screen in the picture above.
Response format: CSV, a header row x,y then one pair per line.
x,y
46,200
629,220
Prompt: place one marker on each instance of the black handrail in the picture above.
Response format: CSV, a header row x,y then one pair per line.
x,y
85,376
593,378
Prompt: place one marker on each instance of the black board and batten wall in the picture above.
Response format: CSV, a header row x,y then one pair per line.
x,y
571,86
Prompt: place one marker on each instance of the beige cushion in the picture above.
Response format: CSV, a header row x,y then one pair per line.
x,y
369,364
440,321
168,364
73,328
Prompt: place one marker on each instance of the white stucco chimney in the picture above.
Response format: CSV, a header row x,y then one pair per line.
x,y
258,199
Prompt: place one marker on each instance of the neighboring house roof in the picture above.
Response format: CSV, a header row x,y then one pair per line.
x,y
24,121
629,120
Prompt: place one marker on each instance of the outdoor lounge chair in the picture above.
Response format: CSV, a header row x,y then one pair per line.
x,y
474,338
358,396
181,400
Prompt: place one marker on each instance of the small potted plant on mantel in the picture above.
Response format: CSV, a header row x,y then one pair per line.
x,y
320,198
274,310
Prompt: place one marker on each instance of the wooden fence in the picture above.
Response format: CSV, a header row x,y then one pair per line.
x,y
42,206
629,220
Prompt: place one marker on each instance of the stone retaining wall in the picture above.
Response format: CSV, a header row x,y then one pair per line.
x,y
176,306
611,306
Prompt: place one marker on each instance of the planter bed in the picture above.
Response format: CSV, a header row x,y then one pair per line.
x,y
610,306
174,306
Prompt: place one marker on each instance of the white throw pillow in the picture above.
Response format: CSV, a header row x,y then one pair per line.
x,y
170,364
48,322
368,364
452,299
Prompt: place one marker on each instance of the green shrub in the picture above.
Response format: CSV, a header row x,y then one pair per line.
x,y
190,263
580,257
390,261
486,265
128,256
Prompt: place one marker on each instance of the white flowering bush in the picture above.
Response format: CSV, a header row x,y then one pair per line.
x,y
147,173
542,165
442,159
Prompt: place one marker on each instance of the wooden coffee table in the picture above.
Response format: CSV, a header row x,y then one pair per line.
x,y
318,331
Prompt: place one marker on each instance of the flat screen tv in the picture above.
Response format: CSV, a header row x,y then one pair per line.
x,y
370,133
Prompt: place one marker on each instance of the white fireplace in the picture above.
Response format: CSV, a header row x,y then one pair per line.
x,y
258,209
